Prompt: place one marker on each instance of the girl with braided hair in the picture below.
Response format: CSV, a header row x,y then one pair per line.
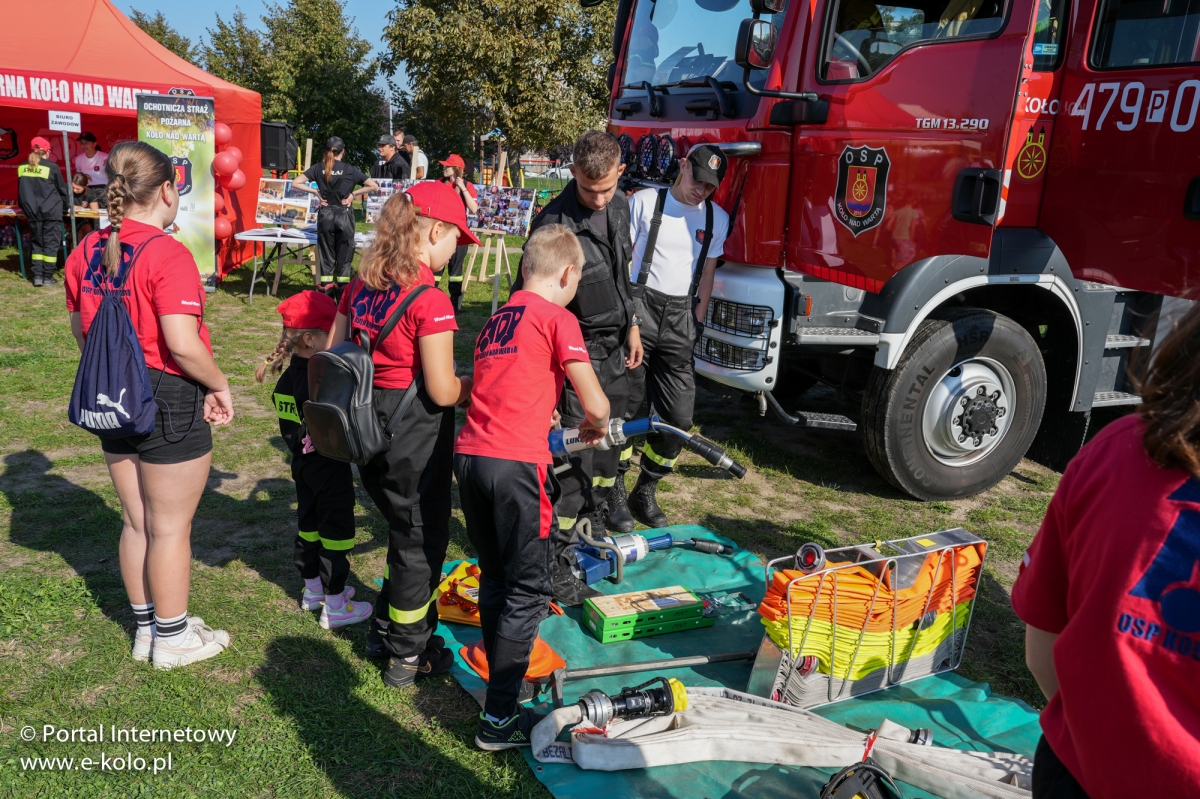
x,y
160,476
324,487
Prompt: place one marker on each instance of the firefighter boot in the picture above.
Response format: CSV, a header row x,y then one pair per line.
x,y
643,503
619,518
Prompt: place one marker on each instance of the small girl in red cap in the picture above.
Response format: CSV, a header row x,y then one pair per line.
x,y
453,175
324,487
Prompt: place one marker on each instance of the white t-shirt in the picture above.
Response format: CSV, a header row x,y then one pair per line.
x,y
92,167
679,240
422,161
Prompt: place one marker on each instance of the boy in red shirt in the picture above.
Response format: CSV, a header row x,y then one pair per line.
x,y
1109,591
502,461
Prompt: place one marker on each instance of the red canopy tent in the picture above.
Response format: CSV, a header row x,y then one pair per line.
x,y
90,58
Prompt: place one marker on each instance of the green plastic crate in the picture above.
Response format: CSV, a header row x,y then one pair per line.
x,y
638,614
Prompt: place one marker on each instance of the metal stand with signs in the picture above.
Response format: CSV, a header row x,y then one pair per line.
x,y
68,122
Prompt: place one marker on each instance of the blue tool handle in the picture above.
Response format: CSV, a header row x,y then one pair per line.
x,y
663,541
638,427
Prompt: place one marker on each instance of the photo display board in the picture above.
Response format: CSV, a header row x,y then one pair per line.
x,y
504,209
279,204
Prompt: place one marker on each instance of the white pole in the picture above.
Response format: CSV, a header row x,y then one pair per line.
x,y
70,192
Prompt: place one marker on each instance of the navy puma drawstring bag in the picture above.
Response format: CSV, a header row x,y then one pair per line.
x,y
113,397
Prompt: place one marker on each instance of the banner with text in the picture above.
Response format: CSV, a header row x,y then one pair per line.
x,y
182,127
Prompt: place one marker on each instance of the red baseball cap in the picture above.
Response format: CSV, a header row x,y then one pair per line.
x,y
39,141
308,310
454,160
436,200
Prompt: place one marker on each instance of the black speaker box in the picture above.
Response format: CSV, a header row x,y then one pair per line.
x,y
279,146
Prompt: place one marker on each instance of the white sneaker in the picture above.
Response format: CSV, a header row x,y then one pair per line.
x,y
201,642
143,641
350,613
311,601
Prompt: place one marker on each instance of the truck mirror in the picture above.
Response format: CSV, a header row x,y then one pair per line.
x,y
768,6
755,44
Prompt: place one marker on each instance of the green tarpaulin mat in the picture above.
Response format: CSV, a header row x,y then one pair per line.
x,y
961,713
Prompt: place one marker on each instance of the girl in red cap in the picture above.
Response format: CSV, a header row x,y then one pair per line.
x,y
324,487
417,233
42,195
453,171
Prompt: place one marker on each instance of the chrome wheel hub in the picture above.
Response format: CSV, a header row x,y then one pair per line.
x,y
968,412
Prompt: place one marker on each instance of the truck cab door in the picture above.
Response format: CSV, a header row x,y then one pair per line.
x,y
1122,194
908,164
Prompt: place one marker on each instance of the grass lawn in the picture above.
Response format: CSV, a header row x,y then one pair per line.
x,y
312,717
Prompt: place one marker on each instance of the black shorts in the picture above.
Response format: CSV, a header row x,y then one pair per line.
x,y
171,441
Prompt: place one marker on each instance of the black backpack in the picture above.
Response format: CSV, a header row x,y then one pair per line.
x,y
340,413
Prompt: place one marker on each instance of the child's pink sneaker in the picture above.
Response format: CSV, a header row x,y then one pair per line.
x,y
316,601
349,613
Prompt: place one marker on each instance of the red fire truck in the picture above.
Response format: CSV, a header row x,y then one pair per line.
x,y
963,214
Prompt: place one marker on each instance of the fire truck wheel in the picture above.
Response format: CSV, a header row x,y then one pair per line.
x,y
960,409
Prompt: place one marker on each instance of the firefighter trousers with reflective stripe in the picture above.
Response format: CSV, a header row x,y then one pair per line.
x,y
455,277
325,513
410,484
335,243
667,377
586,485
45,240
509,510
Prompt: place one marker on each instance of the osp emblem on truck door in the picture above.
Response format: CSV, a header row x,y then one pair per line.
x,y
860,200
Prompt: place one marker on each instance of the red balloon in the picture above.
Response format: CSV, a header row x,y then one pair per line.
x,y
235,152
222,134
222,229
235,181
218,203
224,164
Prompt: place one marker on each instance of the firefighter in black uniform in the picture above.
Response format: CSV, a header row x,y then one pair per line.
x,y
335,182
42,195
324,487
391,164
597,213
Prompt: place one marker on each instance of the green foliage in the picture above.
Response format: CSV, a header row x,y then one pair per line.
x,y
534,68
312,69
160,31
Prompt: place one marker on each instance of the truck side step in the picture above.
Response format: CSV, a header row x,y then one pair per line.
x,y
1117,341
836,336
1105,399
825,421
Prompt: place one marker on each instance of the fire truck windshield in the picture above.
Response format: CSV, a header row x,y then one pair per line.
x,y
675,41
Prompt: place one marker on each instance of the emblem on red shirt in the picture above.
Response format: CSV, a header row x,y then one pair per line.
x,y
1168,581
498,332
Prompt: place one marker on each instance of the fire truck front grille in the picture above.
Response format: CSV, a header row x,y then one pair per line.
x,y
731,356
744,320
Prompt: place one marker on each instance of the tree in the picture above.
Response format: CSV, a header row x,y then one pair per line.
x,y
534,68
311,68
235,52
160,31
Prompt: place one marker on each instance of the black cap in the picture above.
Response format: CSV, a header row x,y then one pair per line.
x,y
334,143
386,141
86,136
410,139
708,164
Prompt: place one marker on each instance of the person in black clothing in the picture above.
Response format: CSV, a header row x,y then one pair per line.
x,y
336,181
324,487
391,164
597,213
42,195
454,175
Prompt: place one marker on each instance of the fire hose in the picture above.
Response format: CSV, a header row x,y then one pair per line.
x,y
662,723
564,442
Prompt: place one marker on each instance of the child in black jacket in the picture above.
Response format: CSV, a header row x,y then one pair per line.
x,y
324,487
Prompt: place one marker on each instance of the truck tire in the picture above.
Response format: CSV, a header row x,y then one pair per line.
x,y
961,407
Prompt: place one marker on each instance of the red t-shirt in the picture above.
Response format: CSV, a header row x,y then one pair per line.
x,y
166,281
520,363
1113,572
398,360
